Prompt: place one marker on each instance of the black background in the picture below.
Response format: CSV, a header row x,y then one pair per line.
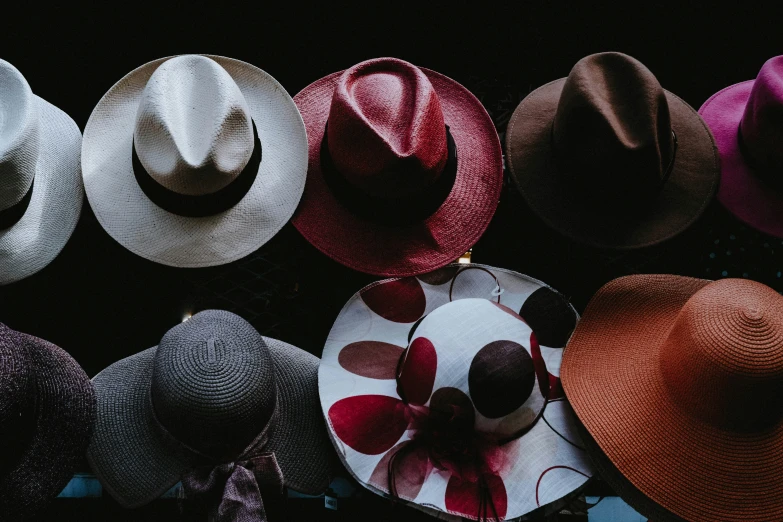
x,y
102,303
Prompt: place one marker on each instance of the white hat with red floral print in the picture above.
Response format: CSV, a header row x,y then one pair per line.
x,y
443,390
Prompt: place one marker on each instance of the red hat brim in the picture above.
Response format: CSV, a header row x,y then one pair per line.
x,y
454,228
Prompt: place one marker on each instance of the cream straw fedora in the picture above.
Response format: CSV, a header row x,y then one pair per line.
x,y
194,160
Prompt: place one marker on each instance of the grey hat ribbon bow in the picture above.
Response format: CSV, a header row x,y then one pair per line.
x,y
239,482
230,491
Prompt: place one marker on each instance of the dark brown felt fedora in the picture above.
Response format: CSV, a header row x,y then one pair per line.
x,y
610,159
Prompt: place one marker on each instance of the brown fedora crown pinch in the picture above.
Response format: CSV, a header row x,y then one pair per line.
x,y
612,133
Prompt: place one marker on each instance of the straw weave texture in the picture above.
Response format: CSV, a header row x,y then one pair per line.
x,y
56,203
441,238
624,372
136,464
62,401
161,236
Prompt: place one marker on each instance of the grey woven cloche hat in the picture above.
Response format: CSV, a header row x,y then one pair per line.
x,y
47,411
217,406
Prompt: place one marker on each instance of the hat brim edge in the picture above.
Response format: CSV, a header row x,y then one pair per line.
x,y
63,197
428,252
522,174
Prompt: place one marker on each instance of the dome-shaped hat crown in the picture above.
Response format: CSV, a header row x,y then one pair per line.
x,y
485,365
193,132
213,384
17,407
18,136
761,127
612,130
723,358
386,133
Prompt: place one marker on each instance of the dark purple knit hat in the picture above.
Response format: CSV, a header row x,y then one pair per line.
x,y
47,411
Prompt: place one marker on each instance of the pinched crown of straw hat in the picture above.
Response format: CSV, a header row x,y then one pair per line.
x,y
194,160
405,168
40,178
217,406
441,391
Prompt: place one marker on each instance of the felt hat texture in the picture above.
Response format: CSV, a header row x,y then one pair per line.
x,y
47,411
748,131
610,159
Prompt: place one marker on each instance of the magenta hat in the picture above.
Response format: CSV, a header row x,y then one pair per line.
x,y
746,119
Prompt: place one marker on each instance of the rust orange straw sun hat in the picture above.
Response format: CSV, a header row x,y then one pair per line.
x,y
405,168
679,382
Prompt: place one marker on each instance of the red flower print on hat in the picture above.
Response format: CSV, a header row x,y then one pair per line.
x,y
443,434
443,390
398,300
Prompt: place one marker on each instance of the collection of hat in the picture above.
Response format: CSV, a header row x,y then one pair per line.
x,y
464,390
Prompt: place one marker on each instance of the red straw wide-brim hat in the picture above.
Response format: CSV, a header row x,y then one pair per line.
x,y
442,237
675,380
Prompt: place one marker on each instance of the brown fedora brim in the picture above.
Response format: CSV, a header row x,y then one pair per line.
x,y
565,208
611,374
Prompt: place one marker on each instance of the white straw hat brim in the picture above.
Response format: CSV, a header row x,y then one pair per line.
x,y
56,202
146,229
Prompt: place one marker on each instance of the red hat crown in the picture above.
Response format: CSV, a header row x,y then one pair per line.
x,y
723,359
386,134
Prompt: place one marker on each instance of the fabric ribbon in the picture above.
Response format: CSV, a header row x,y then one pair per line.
x,y
405,211
204,205
11,215
229,491
451,444
235,486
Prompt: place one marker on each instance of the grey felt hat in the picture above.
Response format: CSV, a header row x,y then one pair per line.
x,y
47,410
215,405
